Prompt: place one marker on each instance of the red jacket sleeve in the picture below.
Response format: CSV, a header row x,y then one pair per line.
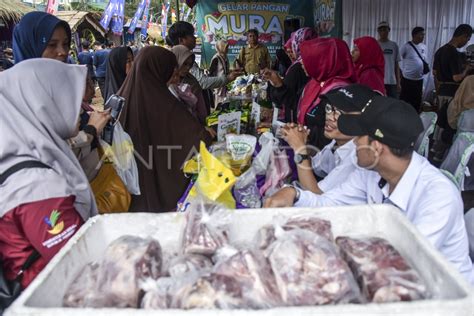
x,y
42,225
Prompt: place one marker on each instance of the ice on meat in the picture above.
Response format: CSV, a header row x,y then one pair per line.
x,y
383,274
209,292
255,276
187,263
128,261
310,271
202,234
83,289
266,235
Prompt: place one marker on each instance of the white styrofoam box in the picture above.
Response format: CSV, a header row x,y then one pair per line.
x,y
453,295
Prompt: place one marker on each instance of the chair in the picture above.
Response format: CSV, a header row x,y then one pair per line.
x,y
466,122
459,155
422,145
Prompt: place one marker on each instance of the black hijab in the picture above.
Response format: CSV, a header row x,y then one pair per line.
x,y
115,73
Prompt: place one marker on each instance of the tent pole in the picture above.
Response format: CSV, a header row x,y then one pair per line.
x,y
177,9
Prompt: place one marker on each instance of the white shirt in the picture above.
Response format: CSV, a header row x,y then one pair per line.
x,y
427,198
335,167
412,66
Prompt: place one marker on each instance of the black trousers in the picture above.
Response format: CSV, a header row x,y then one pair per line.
x,y
412,91
101,83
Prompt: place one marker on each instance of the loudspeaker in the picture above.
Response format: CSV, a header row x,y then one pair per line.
x,y
290,26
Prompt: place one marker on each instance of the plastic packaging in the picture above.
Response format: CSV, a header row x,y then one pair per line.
x,y
157,293
277,172
255,276
121,153
186,263
266,235
82,289
310,271
206,227
382,272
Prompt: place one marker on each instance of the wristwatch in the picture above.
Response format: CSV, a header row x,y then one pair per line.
x,y
297,191
299,158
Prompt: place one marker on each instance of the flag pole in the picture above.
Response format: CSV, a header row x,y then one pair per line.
x,y
177,8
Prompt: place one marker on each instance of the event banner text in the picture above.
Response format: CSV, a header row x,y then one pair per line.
x,y
230,20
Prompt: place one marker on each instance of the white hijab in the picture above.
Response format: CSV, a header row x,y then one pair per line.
x,y
40,102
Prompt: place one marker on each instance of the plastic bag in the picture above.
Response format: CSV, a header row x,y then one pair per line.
x,y
310,271
206,227
266,235
214,181
121,153
246,189
382,272
186,263
82,290
157,293
255,276
209,291
127,261
277,172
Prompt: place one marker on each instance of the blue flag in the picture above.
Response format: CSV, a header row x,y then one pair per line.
x,y
118,16
144,30
137,16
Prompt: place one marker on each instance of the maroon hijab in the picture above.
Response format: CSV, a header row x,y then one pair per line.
x,y
328,62
370,66
163,132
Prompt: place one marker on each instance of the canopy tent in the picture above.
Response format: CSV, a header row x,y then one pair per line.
x,y
79,21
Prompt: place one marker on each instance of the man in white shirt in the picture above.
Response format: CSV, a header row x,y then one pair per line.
x,y
336,160
392,58
393,173
413,56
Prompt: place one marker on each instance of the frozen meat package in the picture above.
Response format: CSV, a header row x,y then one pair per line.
x,y
383,274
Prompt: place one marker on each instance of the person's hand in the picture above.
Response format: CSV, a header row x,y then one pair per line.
x,y
296,136
283,198
99,120
233,75
211,131
273,77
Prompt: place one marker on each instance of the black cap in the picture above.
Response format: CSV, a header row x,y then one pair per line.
x,y
350,98
392,122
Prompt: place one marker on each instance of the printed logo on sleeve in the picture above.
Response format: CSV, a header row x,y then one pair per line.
x,y
52,222
57,229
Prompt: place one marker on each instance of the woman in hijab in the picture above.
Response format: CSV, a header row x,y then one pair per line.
x,y
160,123
285,92
43,204
328,63
119,64
185,59
369,63
220,66
42,35
463,100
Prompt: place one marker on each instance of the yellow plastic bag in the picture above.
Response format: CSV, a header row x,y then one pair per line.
x,y
215,180
110,192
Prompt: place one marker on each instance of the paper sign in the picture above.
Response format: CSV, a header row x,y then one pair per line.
x,y
255,114
228,123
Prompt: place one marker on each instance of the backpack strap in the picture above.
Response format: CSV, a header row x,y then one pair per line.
x,y
416,50
22,165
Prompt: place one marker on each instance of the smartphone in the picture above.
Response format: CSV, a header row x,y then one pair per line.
x,y
115,103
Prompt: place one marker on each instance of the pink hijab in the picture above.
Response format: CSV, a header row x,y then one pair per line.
x,y
298,37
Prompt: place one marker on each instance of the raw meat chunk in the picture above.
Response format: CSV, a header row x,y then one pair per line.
x,y
188,262
203,233
127,261
309,270
209,292
266,234
82,289
381,271
255,276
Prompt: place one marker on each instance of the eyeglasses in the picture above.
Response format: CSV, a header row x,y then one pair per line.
x,y
332,109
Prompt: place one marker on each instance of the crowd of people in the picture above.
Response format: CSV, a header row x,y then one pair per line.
x,y
344,103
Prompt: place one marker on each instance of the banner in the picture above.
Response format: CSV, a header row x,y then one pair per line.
x,y
164,18
328,17
188,13
138,15
107,15
116,24
144,30
230,20
52,7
